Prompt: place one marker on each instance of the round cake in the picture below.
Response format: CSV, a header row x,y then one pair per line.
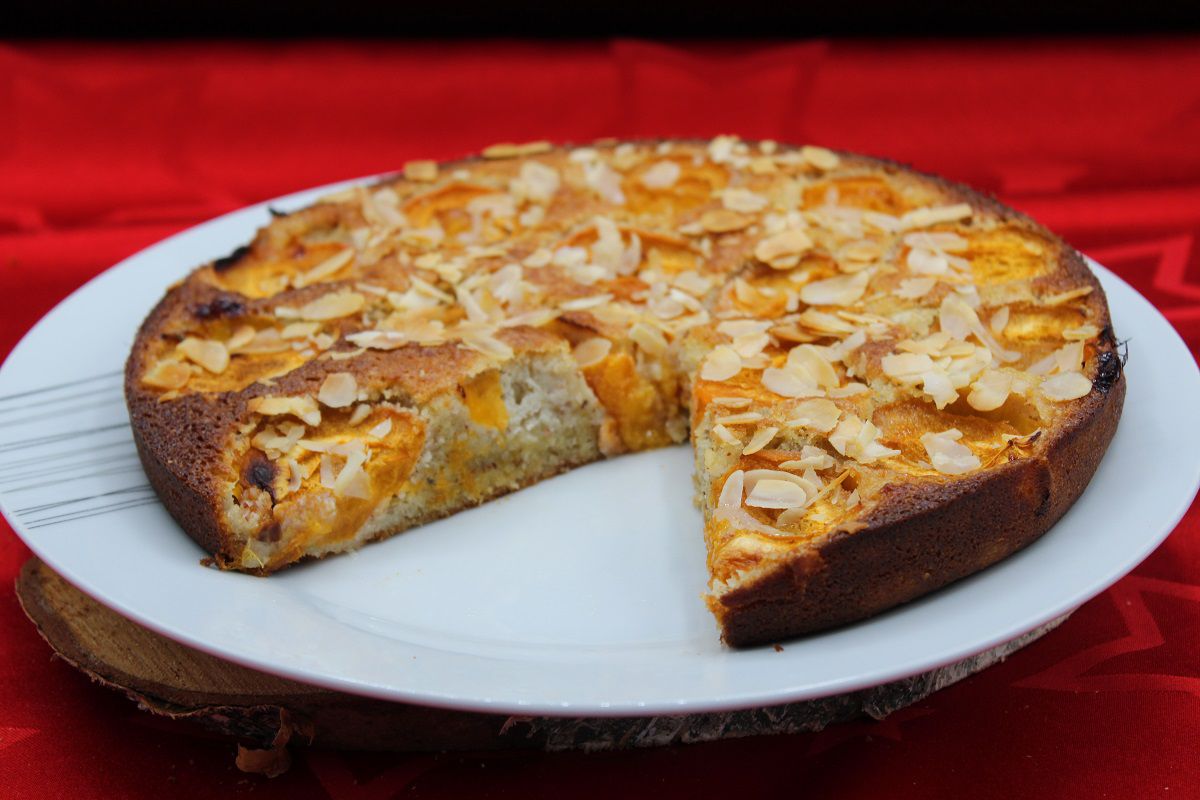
x,y
889,381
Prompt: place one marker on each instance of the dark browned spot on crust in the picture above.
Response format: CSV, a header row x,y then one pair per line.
x,y
223,306
1108,370
260,471
231,260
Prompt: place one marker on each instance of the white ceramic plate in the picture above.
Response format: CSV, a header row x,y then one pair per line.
x,y
555,600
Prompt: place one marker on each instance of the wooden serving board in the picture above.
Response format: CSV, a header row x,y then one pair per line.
x,y
265,713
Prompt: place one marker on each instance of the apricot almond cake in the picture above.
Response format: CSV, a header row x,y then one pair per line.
x,y
889,381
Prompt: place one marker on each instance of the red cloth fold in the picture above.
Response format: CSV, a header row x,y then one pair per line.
x,y
107,148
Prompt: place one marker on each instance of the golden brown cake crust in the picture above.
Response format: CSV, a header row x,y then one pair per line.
x,y
917,536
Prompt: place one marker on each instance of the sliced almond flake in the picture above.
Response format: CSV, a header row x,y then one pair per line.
x,y
937,241
1082,333
661,175
512,150
334,305
831,487
721,364
1065,386
810,458
818,415
693,283
592,351
783,250
733,328
947,454
810,361
724,221
915,288
731,490
774,493
168,375
721,149
264,342
740,419
604,181
537,182
482,339
858,439
299,330
361,412
743,201
295,474
352,480
327,268
849,390
240,338
938,385
959,320
327,474
382,429
583,303
999,320
840,290
934,215
538,258
820,157
532,319
824,322
651,340
990,390
726,435
421,171
761,438
749,345
209,354
303,407
1067,296
731,402
338,390
787,382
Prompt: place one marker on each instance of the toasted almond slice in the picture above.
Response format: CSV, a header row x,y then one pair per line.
x,y
743,201
240,338
209,354
512,150
783,250
947,454
361,412
840,290
990,390
731,490
650,339
731,402
584,303
721,364
299,330
724,221
818,415
933,215
661,175
747,418
338,390
421,171
592,351
787,382
327,268
1082,333
915,288
725,435
382,429
772,493
1067,296
820,157
999,320
303,407
168,375
1066,386
334,305
761,438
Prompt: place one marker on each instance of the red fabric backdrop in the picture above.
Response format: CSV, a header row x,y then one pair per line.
x,y
105,149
